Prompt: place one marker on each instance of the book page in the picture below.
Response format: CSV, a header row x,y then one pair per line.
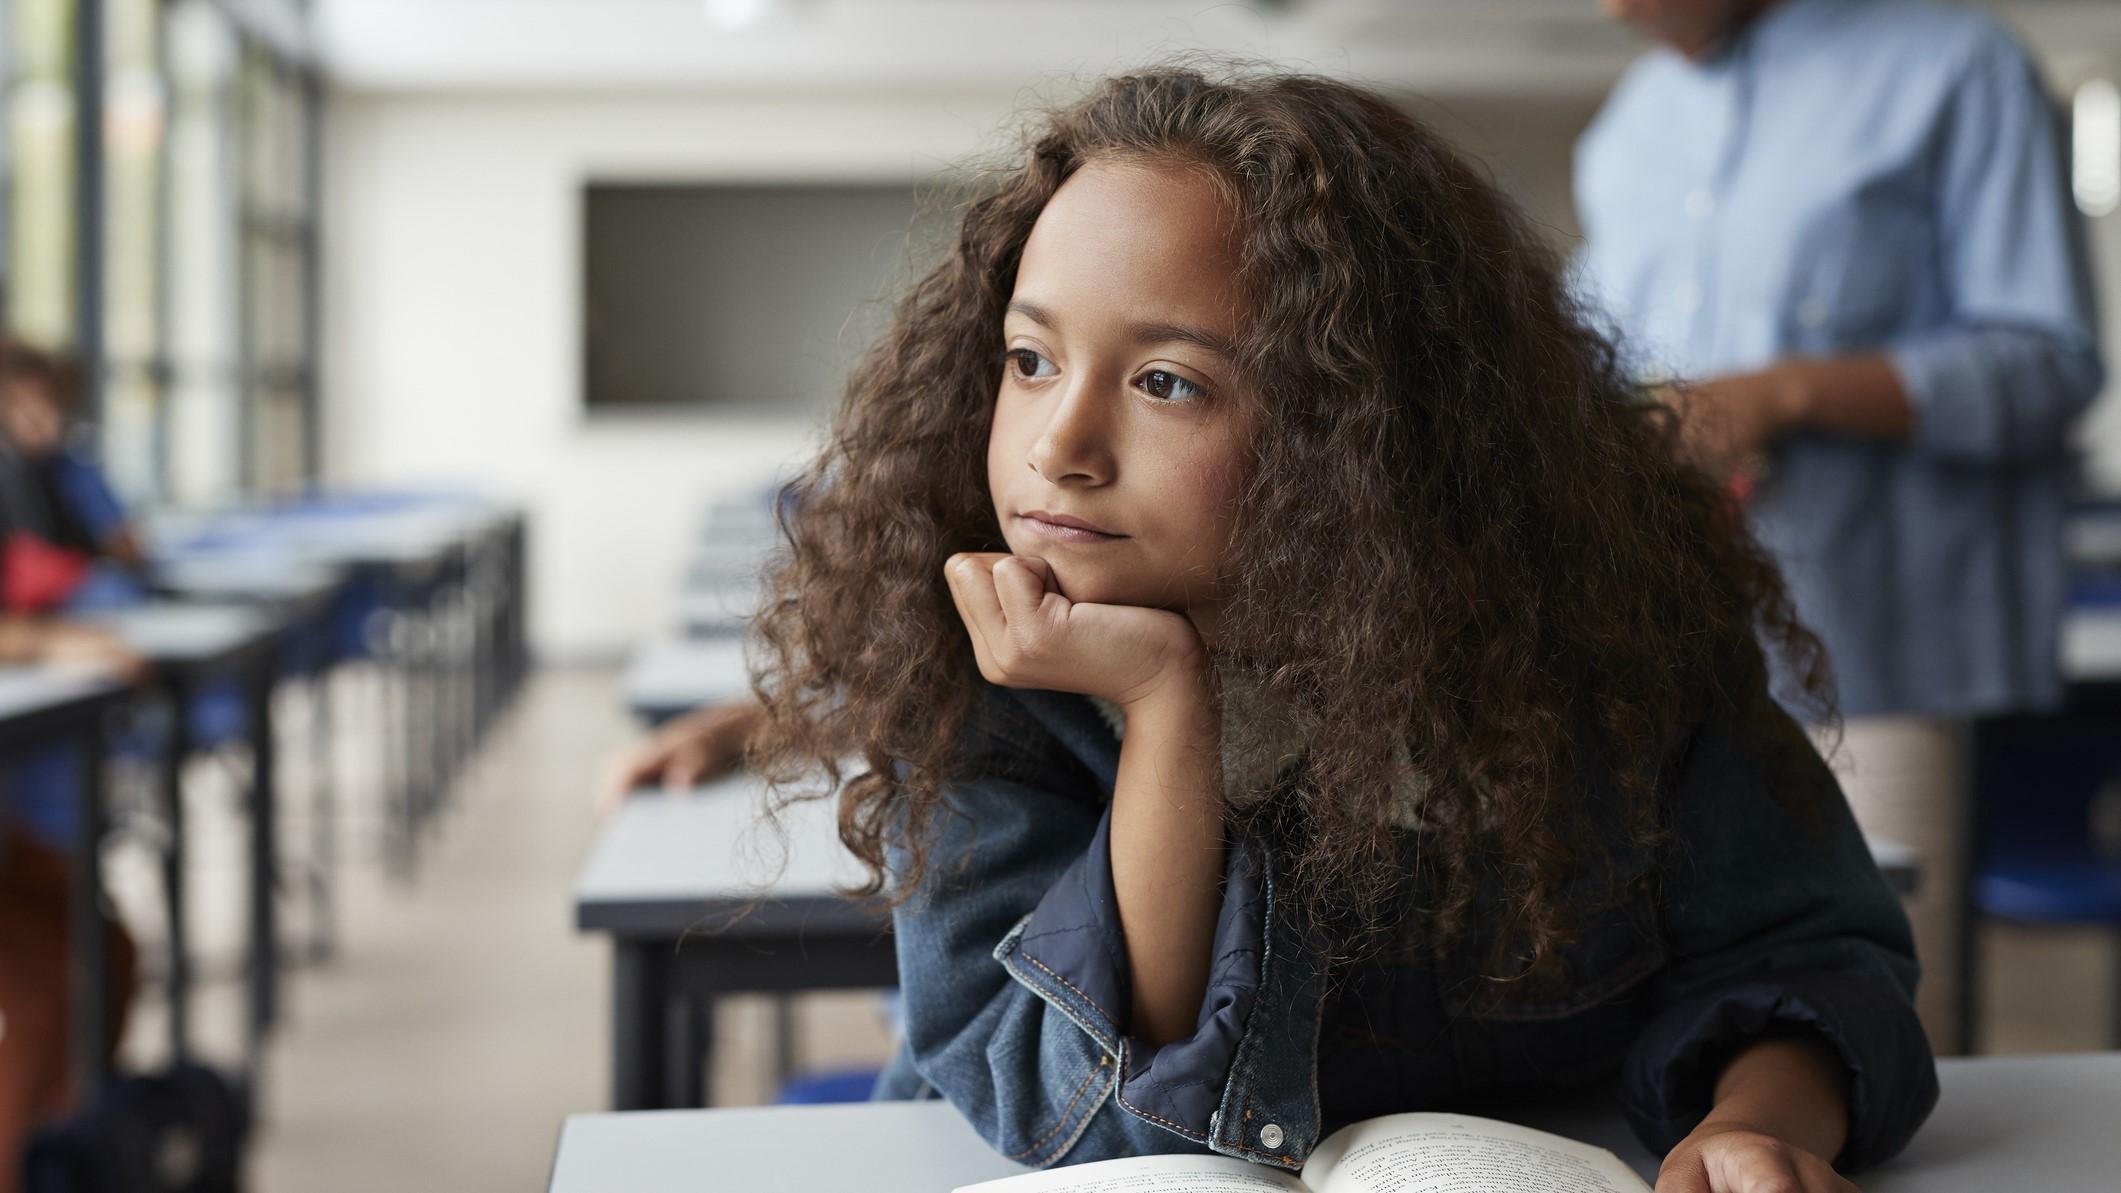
x,y
1456,1153
1149,1174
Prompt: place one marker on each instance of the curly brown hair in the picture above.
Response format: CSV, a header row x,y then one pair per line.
x,y
1463,535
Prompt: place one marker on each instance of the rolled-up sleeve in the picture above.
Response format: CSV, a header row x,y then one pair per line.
x,y
2017,361
1013,964
1778,922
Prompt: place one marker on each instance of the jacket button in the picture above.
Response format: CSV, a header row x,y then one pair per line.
x,y
1270,1136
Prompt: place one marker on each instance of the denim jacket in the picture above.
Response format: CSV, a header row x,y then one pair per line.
x,y
1015,977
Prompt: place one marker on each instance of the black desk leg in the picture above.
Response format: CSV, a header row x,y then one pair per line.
x,y
394,698
690,1056
640,1000
783,1039
324,812
264,966
174,754
88,968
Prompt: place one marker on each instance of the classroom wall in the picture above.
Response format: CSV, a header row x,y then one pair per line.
x,y
452,311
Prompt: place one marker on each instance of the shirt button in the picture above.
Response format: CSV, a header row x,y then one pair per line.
x,y
1812,312
1689,297
1700,205
1270,1136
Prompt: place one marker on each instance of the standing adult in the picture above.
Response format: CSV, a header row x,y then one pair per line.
x,y
1843,223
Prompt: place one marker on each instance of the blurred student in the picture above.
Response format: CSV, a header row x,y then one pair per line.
x,y
64,542
64,492
40,799
1842,222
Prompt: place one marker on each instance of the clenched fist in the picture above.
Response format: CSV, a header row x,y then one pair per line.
x,y
1027,635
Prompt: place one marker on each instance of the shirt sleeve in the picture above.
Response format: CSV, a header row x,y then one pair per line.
x,y
89,497
1778,922
2018,360
1013,965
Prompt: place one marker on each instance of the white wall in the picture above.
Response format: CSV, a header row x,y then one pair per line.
x,y
452,292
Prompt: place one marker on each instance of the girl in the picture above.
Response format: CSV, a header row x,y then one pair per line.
x,y
1296,681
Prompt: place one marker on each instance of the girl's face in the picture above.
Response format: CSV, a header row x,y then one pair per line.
x,y
1117,444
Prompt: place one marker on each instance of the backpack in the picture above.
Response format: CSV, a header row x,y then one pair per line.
x,y
177,1131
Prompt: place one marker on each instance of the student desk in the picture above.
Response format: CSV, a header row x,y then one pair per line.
x,y
1897,862
303,595
2004,1123
405,561
717,605
687,888
191,646
670,677
41,707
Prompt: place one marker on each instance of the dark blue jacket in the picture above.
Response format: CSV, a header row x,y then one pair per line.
x,y
1013,965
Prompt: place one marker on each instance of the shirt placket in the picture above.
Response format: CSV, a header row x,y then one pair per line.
x,y
1700,297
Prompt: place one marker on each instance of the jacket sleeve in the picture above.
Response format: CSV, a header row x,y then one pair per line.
x,y
1777,921
2018,360
1014,967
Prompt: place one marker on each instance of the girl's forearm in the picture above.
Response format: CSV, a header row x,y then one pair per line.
x,y
1167,855
1794,1089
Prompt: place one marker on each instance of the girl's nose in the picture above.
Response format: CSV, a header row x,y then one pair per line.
x,y
1075,445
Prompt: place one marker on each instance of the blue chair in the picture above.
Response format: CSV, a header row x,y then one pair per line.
x,y
2042,788
827,1085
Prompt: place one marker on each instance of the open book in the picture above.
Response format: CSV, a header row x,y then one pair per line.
x,y
1398,1153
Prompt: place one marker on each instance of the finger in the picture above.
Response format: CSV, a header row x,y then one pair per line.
x,y
1018,590
1041,569
687,765
1684,1176
964,573
1757,1170
612,791
975,588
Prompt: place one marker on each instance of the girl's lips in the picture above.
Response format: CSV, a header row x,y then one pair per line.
x,y
1061,533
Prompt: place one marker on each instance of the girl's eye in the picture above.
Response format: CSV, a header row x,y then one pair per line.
x,y
1017,363
1170,387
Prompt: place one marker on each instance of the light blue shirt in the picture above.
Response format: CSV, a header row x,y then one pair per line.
x,y
1870,175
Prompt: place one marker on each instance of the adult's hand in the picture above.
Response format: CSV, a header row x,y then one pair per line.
x,y
1726,423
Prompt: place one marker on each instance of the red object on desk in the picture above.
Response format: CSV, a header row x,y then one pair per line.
x,y
36,576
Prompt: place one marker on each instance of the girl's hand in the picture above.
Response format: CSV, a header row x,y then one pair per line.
x,y
1731,1157
1026,635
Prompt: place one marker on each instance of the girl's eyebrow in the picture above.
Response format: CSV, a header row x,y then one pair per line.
x,y
1140,333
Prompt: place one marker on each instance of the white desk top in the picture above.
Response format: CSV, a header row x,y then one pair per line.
x,y
675,674
27,690
2091,643
708,845
2043,1123
170,632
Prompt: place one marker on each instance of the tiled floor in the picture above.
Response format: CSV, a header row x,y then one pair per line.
x,y
463,1017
